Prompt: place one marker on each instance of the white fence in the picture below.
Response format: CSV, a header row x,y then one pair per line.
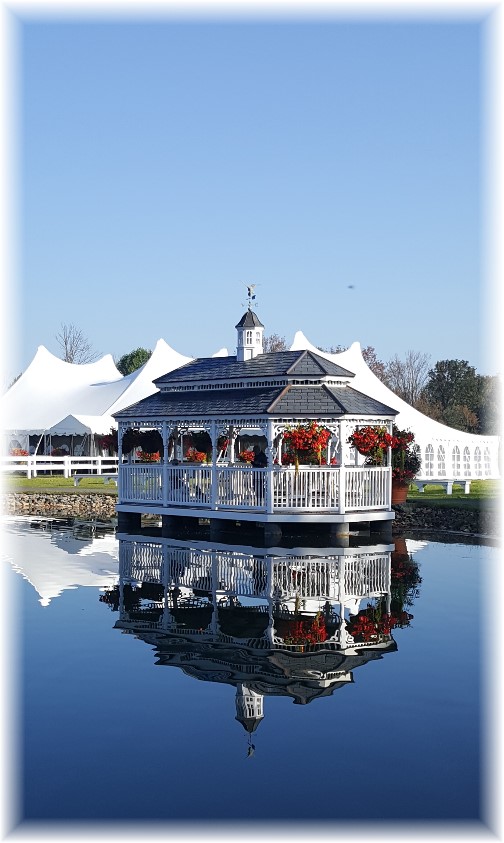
x,y
68,466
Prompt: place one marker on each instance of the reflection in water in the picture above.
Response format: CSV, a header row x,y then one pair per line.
x,y
58,554
284,622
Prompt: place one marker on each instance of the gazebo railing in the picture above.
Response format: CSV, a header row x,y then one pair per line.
x,y
308,488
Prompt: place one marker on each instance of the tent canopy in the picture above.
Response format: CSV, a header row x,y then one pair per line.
x,y
82,425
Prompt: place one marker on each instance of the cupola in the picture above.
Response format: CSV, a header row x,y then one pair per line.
x,y
249,708
249,342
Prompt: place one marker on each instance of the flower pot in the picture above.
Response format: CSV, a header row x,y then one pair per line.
x,y
400,552
399,491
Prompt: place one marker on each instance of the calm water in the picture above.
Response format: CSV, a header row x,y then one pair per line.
x,y
176,680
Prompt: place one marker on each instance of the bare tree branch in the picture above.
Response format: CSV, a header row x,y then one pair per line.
x,y
274,342
408,377
75,346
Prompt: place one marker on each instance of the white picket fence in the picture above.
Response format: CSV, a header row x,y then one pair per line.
x,y
68,466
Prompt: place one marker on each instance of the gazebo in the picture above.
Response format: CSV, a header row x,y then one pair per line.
x,y
262,398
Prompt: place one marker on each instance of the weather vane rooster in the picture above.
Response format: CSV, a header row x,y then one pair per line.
x,y
250,295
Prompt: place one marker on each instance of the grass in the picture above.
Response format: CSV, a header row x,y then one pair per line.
x,y
482,491
57,485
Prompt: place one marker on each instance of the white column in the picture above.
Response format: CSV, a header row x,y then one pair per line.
x,y
164,434
120,434
232,434
214,472
269,468
342,470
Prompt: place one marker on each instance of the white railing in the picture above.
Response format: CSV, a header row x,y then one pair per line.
x,y
241,488
309,488
360,575
141,483
366,488
31,466
306,488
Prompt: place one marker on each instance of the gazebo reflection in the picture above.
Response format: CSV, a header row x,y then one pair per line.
x,y
289,622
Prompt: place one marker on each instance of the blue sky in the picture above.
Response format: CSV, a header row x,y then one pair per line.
x,y
164,164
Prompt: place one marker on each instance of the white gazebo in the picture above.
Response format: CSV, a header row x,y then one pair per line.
x,y
262,396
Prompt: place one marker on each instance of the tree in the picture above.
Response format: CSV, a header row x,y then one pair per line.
x,y
13,381
274,342
457,390
75,346
454,382
407,378
129,363
490,405
376,365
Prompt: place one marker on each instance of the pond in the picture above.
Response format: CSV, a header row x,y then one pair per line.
x,y
185,680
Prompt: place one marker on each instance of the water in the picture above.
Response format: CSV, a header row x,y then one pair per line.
x,y
130,690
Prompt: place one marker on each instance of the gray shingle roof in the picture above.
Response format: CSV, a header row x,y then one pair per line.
x,y
277,364
249,320
217,402
315,401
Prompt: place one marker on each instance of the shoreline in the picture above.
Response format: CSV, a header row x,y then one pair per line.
x,y
482,521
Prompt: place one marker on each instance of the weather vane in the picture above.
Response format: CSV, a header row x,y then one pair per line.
x,y
250,295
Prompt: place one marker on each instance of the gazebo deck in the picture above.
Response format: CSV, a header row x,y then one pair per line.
x,y
310,493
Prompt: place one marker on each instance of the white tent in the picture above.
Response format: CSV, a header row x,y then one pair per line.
x,y
67,399
140,383
82,425
50,388
446,452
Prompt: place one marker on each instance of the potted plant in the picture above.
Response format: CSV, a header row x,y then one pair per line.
x,y
246,456
373,441
406,463
374,625
148,456
193,455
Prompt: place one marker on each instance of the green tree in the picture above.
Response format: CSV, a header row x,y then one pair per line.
x,y
454,382
490,405
455,388
129,363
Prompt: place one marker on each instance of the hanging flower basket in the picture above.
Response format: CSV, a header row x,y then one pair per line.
x,y
373,441
302,630
305,444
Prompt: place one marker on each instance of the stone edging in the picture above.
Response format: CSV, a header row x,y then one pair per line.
x,y
19,503
475,521
408,516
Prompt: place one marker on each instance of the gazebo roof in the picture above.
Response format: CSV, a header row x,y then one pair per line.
x,y
314,401
282,384
276,364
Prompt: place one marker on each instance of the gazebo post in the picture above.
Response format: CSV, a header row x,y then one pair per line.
x,y
269,468
342,469
214,476
232,434
164,434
